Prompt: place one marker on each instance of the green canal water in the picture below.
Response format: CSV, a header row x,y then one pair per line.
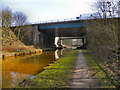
x,y
16,69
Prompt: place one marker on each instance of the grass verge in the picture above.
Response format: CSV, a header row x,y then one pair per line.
x,y
99,73
57,75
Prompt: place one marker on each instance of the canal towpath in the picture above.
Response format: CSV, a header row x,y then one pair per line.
x,y
83,76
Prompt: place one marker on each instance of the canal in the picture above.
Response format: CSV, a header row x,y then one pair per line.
x,y
16,69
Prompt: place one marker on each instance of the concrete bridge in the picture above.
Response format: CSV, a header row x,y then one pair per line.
x,y
51,34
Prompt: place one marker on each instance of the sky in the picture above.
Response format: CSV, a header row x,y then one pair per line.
x,y
42,10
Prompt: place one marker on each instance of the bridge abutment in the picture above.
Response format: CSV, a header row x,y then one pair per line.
x,y
46,41
42,40
35,35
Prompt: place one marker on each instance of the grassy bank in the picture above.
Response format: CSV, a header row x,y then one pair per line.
x,y
99,72
57,75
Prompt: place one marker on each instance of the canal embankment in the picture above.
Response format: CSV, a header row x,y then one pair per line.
x,y
28,51
17,52
11,46
57,74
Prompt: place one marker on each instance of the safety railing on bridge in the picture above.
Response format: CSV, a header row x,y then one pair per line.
x,y
90,16
67,19
82,17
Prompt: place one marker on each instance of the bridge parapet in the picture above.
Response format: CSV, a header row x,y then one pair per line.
x,y
67,19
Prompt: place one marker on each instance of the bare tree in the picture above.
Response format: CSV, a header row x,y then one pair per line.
x,y
20,19
7,20
6,17
103,38
10,19
106,8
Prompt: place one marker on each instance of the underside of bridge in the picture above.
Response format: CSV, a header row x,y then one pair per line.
x,y
65,32
50,40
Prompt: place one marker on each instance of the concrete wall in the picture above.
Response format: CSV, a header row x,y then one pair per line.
x,y
35,35
37,38
31,35
46,40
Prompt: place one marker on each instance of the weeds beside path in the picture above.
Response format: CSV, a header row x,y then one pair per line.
x,y
88,73
83,75
104,81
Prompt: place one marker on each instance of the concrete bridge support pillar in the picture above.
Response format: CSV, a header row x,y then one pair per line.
x,y
50,41
35,35
41,38
58,42
83,42
61,42
46,41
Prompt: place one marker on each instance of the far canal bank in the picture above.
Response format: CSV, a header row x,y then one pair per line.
x,y
7,54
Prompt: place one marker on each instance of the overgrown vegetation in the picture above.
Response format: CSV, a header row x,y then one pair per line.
x,y
56,75
103,42
105,82
10,19
13,33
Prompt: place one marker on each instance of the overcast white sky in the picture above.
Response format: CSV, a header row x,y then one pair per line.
x,y
41,10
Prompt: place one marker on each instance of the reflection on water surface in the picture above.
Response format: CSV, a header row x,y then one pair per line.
x,y
15,69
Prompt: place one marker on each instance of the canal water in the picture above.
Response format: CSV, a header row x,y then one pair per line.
x,y
15,69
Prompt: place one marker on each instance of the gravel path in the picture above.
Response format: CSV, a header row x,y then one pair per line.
x,y
83,77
